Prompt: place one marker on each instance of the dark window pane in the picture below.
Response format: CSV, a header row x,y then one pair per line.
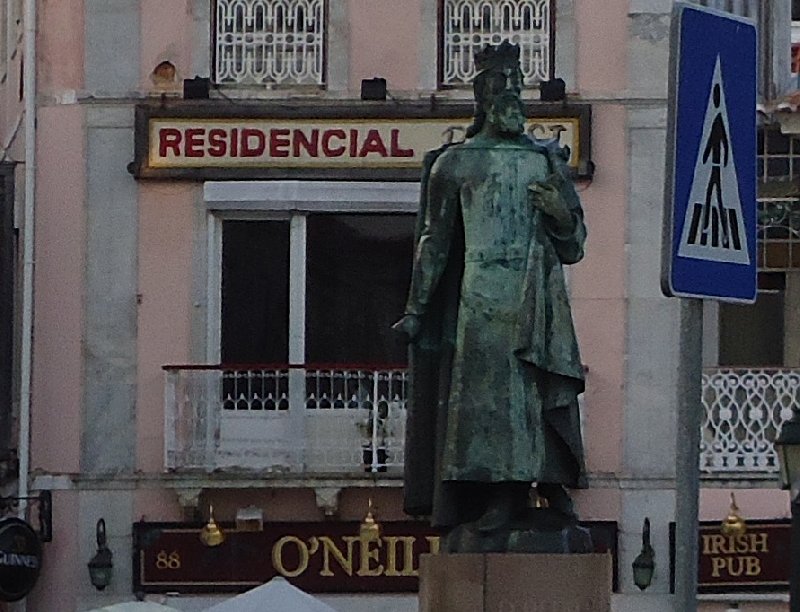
x,y
752,335
795,10
255,292
358,273
777,142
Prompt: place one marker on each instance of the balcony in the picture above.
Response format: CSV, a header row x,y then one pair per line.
x,y
317,421
265,43
744,411
467,26
294,420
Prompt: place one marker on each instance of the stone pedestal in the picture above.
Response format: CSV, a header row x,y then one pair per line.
x,y
511,582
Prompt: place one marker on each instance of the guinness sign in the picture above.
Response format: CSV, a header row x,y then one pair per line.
x,y
20,559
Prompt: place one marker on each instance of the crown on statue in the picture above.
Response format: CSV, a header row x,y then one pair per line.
x,y
497,57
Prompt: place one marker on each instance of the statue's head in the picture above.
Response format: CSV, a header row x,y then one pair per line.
x,y
498,90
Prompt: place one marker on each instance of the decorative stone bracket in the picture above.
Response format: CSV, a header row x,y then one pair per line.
x,y
328,499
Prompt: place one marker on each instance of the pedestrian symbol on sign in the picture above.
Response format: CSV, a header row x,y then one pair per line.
x,y
713,227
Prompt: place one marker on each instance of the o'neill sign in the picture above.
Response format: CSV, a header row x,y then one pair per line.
x,y
213,142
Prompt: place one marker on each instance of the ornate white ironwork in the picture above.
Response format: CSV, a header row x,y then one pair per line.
x,y
744,412
469,25
292,419
270,41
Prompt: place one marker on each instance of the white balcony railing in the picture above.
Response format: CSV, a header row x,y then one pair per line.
x,y
293,419
260,42
469,25
325,420
744,411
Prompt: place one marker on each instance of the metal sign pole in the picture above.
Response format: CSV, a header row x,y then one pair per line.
x,y
687,450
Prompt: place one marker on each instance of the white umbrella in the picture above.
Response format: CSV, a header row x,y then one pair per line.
x,y
136,606
277,595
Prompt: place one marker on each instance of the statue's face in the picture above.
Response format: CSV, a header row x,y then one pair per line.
x,y
505,110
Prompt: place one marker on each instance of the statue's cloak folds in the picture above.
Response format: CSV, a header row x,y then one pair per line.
x,y
556,356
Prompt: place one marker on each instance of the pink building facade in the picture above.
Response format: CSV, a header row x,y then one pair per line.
x,y
212,278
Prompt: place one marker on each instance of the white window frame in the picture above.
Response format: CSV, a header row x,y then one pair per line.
x,y
294,200
531,80
275,70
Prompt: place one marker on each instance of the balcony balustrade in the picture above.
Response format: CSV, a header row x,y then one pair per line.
x,y
744,411
469,25
275,42
312,420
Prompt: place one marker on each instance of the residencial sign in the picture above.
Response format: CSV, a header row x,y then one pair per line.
x,y
710,195
317,557
757,561
205,143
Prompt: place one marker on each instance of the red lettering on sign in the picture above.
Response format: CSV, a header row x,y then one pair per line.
x,y
217,144
234,142
279,143
373,144
329,135
169,138
248,148
300,140
395,149
353,143
195,142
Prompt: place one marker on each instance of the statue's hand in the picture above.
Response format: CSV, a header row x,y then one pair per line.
x,y
546,196
408,325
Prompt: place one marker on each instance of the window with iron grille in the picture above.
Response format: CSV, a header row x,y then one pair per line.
x,y
778,201
469,25
269,42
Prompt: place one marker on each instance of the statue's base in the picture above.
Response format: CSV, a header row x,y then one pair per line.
x,y
540,531
512,582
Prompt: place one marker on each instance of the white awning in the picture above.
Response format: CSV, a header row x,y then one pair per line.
x,y
277,595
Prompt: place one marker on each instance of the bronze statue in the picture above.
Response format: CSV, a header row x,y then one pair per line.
x,y
495,367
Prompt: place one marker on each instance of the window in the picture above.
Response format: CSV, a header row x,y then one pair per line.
x,y
469,25
356,268
269,42
752,335
762,334
778,201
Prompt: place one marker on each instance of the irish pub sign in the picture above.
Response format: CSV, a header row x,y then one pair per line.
x,y
757,561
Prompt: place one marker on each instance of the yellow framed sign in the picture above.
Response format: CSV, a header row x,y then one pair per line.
x,y
200,142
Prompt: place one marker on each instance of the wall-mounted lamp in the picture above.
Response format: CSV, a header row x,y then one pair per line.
x,y
101,566
370,530
733,524
644,565
211,535
553,90
197,88
373,89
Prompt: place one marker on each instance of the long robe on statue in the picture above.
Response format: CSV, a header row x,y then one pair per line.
x,y
495,369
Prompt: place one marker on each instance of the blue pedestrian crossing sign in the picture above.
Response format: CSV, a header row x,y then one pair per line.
x,y
710,205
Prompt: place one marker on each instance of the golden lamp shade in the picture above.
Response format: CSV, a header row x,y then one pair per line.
x,y
733,524
211,535
370,530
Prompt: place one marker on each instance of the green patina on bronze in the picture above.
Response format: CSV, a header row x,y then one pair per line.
x,y
495,365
